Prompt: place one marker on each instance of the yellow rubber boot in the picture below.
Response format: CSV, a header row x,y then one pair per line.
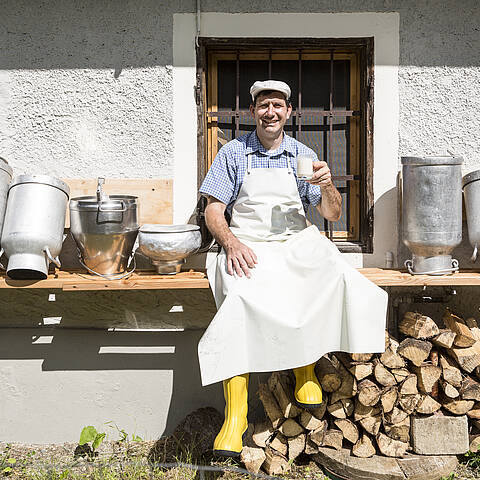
x,y
228,442
308,392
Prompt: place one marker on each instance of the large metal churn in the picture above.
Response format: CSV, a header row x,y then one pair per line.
x,y
32,233
471,191
105,228
432,212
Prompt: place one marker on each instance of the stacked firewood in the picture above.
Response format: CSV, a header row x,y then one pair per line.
x,y
369,398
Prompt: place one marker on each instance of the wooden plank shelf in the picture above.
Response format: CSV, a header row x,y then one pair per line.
x,y
147,280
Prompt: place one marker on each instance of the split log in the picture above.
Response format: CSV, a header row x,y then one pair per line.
x,y
279,444
434,357
279,386
449,390
296,445
368,393
428,405
395,416
450,372
262,433
416,351
363,411
361,357
470,389
458,407
348,388
427,376
333,438
341,409
417,326
309,421
371,424
474,443
399,431
392,359
464,337
383,376
445,338
290,428
317,436
468,358
364,447
474,412
409,386
408,403
400,374
327,375
470,322
270,405
348,428
390,447
319,412
389,399
252,458
310,447
361,370
275,463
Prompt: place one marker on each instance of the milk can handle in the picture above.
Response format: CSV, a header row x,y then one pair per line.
x,y
119,276
2,251
453,269
55,260
121,202
474,254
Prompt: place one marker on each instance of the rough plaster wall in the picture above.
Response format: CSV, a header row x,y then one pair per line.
x,y
86,89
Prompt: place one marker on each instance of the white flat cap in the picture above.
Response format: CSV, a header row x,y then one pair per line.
x,y
276,85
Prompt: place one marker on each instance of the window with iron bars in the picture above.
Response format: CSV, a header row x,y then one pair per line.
x,y
331,83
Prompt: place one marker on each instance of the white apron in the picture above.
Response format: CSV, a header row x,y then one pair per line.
x,y
303,299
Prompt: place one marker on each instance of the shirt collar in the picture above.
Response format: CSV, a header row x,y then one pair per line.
x,y
254,145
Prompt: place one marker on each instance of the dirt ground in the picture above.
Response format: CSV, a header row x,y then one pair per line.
x,y
39,461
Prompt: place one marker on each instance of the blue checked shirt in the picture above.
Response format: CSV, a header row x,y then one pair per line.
x,y
225,177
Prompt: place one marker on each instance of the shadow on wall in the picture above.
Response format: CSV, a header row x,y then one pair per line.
x,y
66,34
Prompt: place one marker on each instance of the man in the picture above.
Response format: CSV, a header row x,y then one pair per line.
x,y
284,294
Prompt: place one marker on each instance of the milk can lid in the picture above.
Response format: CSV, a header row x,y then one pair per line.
x,y
5,166
470,177
42,179
432,160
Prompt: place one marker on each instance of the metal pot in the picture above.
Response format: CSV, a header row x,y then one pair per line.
x,y
32,234
471,191
167,246
432,212
5,179
105,229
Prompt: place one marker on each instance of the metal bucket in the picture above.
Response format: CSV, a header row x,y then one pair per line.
x,y
105,229
5,179
432,212
32,234
471,191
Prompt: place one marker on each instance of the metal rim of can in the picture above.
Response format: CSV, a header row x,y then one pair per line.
x,y
6,167
159,228
91,203
432,160
41,179
470,178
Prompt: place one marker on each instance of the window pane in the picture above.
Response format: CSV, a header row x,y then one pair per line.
x,y
226,84
250,71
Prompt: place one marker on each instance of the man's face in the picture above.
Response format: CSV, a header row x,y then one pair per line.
x,y
271,112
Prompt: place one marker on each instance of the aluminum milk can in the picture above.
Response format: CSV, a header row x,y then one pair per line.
x,y
432,212
471,192
32,234
5,179
105,228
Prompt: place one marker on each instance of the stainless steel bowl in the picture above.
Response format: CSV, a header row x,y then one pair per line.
x,y
167,246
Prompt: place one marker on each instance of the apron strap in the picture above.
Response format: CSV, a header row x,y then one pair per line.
x,y
249,163
289,164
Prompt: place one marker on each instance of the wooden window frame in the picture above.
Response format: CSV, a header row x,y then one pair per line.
x,y
363,48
